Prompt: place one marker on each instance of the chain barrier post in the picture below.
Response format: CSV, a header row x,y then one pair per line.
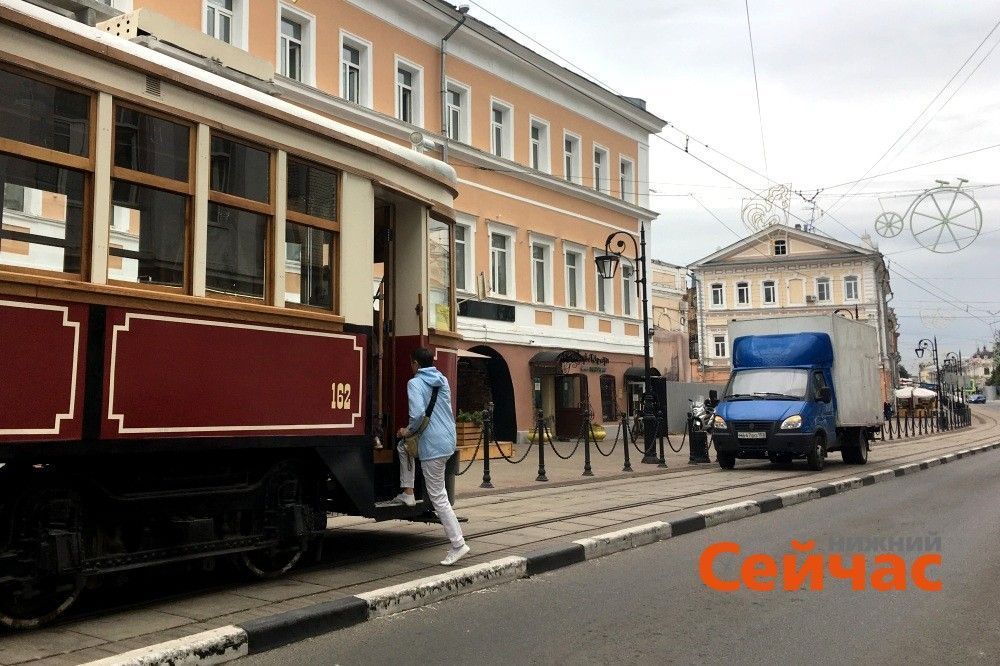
x,y
587,471
662,463
540,442
487,440
624,429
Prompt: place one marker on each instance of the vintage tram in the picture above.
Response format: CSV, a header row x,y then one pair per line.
x,y
208,297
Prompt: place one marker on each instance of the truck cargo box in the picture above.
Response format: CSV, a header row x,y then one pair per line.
x,y
855,367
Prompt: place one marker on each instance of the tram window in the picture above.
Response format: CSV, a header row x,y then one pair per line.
x,y
312,190
240,169
44,115
44,230
151,144
146,243
235,252
308,265
439,273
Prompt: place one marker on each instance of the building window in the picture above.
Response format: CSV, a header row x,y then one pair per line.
x,y
219,19
719,344
439,267
146,238
743,293
770,294
823,289
541,254
574,279
601,170
355,70
237,237
628,297
500,264
626,180
296,45
461,256
13,198
311,234
718,295
571,158
539,145
291,49
500,130
851,288
409,93
458,112
609,401
780,247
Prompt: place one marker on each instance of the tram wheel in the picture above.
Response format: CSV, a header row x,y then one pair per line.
x,y
270,562
40,559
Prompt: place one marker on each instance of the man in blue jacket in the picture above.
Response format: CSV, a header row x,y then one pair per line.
x,y
436,446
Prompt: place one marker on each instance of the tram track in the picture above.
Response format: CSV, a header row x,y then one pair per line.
x,y
755,486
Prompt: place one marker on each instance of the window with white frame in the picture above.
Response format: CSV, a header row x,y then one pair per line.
x,y
296,46
501,264
770,293
851,288
823,289
718,295
224,20
601,169
720,347
628,290
457,111
541,272
539,146
780,247
500,129
626,179
574,279
571,158
463,249
409,93
355,70
604,297
743,293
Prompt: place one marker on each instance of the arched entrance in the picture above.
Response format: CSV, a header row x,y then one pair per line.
x,y
488,380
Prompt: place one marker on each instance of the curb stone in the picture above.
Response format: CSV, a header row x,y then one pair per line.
x,y
232,642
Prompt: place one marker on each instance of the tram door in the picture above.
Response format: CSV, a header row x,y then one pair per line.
x,y
571,397
384,311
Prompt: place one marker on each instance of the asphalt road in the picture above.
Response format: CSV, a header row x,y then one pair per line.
x,y
648,606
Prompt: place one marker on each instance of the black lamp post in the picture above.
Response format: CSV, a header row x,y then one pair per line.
x,y
607,264
922,347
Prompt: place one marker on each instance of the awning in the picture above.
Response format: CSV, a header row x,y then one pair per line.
x,y
556,357
640,373
464,353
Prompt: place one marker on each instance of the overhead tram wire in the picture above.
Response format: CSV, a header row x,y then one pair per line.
x,y
924,110
756,88
908,168
685,150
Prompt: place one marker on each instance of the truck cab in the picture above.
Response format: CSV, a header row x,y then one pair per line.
x,y
781,403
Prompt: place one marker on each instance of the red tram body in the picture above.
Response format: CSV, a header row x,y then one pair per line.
x,y
143,424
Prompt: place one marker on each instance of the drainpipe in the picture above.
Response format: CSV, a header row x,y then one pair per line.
x,y
464,11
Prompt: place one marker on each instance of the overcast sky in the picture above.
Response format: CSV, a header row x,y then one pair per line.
x,y
839,81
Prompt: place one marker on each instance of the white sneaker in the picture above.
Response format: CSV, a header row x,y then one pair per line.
x,y
455,554
403,498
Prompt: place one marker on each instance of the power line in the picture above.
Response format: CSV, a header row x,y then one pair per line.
x,y
756,88
912,166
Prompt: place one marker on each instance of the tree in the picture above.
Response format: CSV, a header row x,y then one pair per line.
x,y
903,372
994,379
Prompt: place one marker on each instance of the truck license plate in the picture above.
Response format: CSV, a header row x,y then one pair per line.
x,y
751,435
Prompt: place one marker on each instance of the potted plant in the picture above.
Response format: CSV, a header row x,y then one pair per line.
x,y
469,427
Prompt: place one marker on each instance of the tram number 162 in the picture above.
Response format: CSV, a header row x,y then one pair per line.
x,y
341,396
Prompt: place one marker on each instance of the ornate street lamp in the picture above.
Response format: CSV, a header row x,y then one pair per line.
x,y
922,347
607,265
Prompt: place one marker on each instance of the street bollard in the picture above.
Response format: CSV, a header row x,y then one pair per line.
x,y
487,437
540,442
587,471
662,462
624,429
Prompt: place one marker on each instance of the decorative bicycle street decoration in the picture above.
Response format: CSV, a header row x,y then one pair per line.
x,y
767,209
943,219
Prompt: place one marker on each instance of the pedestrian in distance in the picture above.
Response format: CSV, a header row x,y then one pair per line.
x,y
436,445
887,410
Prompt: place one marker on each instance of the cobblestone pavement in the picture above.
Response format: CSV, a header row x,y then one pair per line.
x,y
518,516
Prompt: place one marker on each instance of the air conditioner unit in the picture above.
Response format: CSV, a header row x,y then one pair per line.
x,y
810,298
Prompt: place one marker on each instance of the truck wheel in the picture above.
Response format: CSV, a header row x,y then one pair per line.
x,y
815,458
726,460
856,452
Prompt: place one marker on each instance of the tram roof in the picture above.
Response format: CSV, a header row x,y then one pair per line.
x,y
168,68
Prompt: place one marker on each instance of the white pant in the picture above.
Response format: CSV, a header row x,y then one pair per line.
x,y
434,484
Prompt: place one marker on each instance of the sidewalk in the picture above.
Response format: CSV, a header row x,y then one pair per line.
x,y
361,555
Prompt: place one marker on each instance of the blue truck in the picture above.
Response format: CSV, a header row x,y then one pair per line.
x,y
801,387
